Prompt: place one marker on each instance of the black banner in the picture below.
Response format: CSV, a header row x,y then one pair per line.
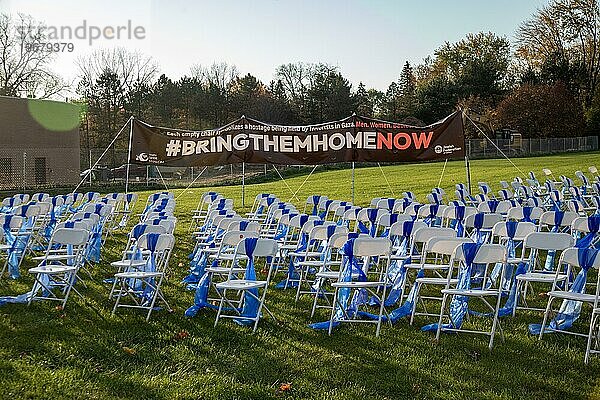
x,y
246,140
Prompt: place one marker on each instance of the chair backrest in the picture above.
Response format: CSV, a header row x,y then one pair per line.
x,y
444,246
580,224
486,254
85,224
522,231
547,219
141,229
264,248
450,212
251,226
516,213
27,210
16,221
385,219
169,225
489,220
366,246
69,236
548,241
397,228
165,242
40,197
424,234
320,232
232,238
337,240
83,215
428,209
571,256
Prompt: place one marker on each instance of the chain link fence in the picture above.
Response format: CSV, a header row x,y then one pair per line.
x,y
517,147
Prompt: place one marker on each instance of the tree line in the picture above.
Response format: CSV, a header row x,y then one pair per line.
x,y
544,84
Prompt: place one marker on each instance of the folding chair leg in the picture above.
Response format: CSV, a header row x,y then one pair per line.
x,y
71,282
314,306
122,287
260,306
155,295
546,313
517,289
381,307
495,322
589,340
332,311
439,328
414,305
300,280
222,295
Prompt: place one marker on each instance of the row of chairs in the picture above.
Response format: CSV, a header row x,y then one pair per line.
x,y
317,239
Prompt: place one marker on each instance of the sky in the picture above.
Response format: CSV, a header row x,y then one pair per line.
x,y
368,40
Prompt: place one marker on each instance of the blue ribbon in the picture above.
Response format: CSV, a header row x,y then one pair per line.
x,y
343,308
571,309
459,305
593,223
250,300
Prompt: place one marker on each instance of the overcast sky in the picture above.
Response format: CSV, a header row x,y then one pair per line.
x,y
369,40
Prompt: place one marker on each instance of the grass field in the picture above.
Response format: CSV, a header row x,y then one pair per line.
x,y
85,353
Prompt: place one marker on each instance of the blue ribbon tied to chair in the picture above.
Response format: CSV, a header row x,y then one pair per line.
x,y
571,309
459,305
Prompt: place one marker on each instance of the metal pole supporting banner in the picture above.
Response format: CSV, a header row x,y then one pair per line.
x,y
352,182
468,168
243,184
90,167
128,155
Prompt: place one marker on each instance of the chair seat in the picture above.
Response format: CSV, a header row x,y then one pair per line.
x,y
138,274
128,263
144,252
54,257
470,292
316,263
559,294
398,257
540,277
328,274
303,253
355,284
436,281
426,266
228,256
224,270
241,284
52,269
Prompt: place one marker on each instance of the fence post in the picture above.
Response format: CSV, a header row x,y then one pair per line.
x,y
24,168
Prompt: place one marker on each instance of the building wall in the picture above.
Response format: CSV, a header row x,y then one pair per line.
x,y
39,143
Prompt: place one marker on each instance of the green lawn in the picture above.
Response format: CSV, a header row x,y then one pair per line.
x,y
84,352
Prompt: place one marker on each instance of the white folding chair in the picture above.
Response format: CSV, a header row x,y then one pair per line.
x,y
488,290
536,273
372,252
437,251
55,274
248,307
142,283
577,261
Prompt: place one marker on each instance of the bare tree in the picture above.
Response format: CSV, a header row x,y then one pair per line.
x,y
133,69
25,60
566,31
218,75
